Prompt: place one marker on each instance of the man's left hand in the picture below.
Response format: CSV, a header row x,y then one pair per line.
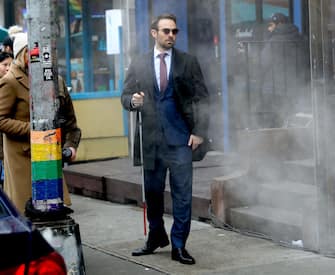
x,y
195,141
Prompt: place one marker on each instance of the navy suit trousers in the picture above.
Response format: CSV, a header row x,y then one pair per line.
x,y
177,161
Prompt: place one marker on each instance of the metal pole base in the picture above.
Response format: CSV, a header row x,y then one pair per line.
x,y
64,237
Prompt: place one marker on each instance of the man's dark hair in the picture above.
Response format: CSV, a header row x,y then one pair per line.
x,y
279,18
154,24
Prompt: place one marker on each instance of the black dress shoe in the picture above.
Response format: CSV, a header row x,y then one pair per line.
x,y
181,255
145,250
150,246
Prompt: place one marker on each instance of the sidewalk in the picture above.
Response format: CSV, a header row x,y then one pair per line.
x,y
114,230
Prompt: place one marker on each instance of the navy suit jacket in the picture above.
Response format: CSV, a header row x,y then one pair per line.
x,y
190,93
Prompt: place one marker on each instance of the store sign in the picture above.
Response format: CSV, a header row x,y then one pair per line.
x,y
113,22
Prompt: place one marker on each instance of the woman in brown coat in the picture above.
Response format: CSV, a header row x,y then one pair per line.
x,y
5,61
15,124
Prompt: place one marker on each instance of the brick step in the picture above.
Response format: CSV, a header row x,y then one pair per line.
x,y
126,188
299,170
279,225
286,195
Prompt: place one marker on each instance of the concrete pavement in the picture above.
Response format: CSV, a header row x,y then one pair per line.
x,y
101,262
110,231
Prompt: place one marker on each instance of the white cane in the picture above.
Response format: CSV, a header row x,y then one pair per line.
x,y
142,173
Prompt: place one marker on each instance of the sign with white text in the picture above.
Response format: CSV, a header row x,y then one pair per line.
x,y
113,22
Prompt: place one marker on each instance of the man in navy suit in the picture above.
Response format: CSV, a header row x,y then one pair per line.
x,y
167,86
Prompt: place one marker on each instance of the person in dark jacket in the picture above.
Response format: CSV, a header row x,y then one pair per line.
x,y
7,45
281,29
283,64
167,86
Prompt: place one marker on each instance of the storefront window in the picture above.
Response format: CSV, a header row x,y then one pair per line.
x,y
243,11
92,69
102,64
76,45
81,46
69,44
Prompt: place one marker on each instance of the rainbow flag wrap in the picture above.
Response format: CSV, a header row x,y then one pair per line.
x,y
47,180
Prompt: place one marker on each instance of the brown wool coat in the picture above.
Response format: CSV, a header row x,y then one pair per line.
x,y
14,123
1,147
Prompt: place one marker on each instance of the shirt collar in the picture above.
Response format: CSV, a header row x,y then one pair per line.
x,y
157,52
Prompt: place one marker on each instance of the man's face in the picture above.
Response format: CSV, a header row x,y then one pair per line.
x,y
165,36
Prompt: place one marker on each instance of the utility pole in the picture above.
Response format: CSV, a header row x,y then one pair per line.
x,y
50,215
45,131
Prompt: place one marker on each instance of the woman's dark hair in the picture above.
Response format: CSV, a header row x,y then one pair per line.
x,y
154,24
5,55
8,42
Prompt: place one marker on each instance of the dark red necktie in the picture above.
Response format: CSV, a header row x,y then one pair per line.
x,y
162,72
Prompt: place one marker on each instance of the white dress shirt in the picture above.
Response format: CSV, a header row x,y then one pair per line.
x,y
157,63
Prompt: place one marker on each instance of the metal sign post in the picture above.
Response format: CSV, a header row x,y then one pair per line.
x,y
46,152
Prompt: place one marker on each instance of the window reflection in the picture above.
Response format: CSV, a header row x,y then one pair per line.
x,y
76,45
102,63
243,10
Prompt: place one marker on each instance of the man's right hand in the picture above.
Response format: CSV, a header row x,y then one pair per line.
x,y
137,99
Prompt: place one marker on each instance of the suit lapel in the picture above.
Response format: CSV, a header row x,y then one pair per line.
x,y
177,63
149,76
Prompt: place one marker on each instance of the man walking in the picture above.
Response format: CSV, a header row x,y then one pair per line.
x,y
167,86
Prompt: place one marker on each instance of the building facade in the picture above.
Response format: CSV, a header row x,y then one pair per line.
x,y
99,38
96,75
